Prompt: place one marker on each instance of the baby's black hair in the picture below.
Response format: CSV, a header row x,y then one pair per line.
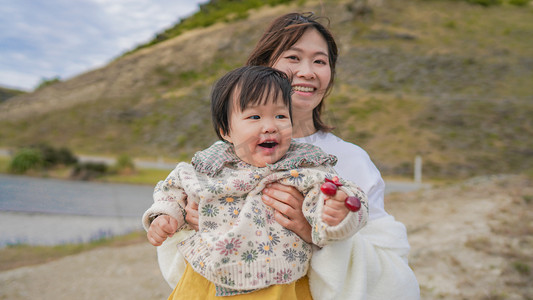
x,y
250,85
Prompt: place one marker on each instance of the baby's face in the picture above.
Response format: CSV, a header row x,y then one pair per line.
x,y
261,134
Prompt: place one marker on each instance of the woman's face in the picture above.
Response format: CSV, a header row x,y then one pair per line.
x,y
308,62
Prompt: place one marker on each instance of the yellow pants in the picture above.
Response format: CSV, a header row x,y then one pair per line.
x,y
194,286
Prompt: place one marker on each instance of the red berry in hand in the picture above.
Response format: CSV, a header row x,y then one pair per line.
x,y
352,203
328,188
335,181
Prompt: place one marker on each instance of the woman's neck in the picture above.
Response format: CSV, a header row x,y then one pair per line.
x,y
303,127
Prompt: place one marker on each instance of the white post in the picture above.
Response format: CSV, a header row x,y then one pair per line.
x,y
418,169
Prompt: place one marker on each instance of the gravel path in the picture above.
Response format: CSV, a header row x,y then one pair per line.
x,y
129,272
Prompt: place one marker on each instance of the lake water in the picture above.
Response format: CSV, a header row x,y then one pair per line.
x,y
40,211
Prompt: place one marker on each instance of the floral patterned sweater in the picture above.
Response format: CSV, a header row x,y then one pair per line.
x,y
239,245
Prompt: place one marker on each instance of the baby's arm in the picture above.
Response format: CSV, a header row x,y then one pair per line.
x,y
335,210
166,215
330,219
161,228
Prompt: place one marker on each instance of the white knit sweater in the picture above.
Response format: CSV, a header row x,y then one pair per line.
x,y
239,245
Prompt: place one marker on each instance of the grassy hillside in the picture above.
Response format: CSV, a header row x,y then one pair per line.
x,y
447,80
6,93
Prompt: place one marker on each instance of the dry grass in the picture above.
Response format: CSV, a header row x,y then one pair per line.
x,y
471,240
16,256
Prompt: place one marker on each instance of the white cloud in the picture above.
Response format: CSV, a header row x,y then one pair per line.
x,y
44,39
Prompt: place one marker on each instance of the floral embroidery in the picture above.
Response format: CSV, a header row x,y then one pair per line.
x,y
265,248
228,247
259,221
210,210
284,275
255,175
228,200
240,185
274,238
210,225
234,211
199,263
302,256
249,256
290,255
287,232
214,189
269,216
227,280
296,177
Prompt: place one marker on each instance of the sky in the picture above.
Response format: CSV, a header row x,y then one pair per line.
x,y
44,39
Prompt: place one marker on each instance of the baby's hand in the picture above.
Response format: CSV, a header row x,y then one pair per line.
x,y
161,228
334,209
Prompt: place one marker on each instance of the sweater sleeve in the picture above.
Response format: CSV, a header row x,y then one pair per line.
x,y
169,199
322,233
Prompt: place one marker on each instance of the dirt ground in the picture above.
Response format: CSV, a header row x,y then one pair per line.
x,y
472,240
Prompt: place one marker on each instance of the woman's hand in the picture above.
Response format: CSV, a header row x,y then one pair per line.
x,y
192,214
287,202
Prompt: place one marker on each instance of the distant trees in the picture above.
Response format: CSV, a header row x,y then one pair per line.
x,y
210,13
47,82
41,158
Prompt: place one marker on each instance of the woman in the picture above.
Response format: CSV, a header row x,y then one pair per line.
x,y
372,264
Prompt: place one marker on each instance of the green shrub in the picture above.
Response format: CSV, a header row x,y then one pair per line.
x,y
486,3
47,82
66,157
521,267
519,2
26,159
53,156
88,170
125,163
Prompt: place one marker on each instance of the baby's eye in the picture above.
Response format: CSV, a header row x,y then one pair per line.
x,y
281,117
254,117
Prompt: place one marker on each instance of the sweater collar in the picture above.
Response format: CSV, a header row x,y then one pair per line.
x,y
213,159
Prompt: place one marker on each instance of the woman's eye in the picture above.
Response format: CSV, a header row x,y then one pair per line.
x,y
320,61
292,57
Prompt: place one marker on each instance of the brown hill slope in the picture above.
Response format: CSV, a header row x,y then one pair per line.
x,y
449,81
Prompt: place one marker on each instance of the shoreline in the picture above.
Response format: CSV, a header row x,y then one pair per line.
x,y
38,229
